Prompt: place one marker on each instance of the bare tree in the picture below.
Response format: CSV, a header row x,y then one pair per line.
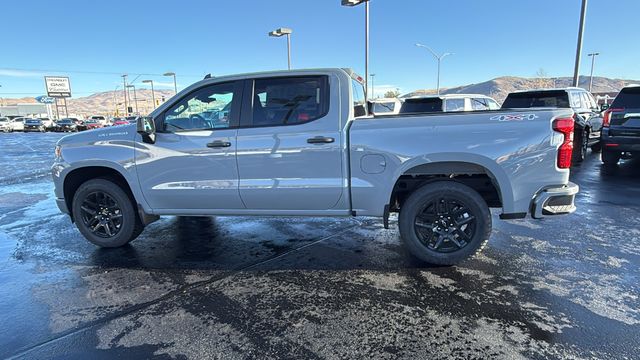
x,y
542,79
392,94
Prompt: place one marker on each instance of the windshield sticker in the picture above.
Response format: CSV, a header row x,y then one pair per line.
x,y
514,117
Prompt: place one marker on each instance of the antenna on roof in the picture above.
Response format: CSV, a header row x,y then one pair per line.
x,y
208,76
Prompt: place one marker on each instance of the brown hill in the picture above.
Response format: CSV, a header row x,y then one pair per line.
x,y
498,88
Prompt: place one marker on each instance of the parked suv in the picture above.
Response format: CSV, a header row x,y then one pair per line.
x,y
448,103
588,120
621,126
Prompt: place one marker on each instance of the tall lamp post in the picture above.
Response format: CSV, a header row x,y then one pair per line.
x,y
135,97
281,32
576,71
153,95
438,58
124,92
175,84
593,62
366,39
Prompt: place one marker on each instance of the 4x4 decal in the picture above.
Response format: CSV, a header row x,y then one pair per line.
x,y
514,117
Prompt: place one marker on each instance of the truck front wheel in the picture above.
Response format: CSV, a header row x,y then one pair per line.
x,y
444,223
104,213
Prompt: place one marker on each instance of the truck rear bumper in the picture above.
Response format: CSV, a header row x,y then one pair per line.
x,y
554,201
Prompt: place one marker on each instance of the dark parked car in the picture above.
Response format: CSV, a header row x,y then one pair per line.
x,y
66,125
621,127
31,125
588,120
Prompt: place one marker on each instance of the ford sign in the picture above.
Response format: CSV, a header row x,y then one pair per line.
x,y
45,99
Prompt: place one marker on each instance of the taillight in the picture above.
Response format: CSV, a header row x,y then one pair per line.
x,y
606,117
565,127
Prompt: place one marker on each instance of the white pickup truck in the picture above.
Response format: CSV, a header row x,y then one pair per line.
x,y
300,143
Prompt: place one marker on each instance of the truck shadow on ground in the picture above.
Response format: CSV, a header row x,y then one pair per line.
x,y
208,243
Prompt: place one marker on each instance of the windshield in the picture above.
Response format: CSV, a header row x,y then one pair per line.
x,y
32,121
421,105
65,121
554,98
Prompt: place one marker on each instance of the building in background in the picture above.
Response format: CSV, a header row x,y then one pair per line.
x,y
26,110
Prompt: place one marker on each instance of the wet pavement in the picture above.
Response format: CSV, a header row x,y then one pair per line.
x,y
236,287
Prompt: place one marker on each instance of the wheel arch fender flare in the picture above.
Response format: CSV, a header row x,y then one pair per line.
x,y
462,161
93,168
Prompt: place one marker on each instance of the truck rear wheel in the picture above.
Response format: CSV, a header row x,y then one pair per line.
x,y
104,213
444,223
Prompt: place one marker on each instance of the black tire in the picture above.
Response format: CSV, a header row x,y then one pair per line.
x,y
597,147
580,145
610,158
421,236
90,209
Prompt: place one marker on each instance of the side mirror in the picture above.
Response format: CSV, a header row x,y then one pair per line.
x,y
146,127
604,107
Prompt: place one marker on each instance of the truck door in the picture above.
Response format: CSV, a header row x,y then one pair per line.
x,y
192,164
289,145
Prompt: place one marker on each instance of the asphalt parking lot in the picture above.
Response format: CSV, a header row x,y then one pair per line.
x,y
233,287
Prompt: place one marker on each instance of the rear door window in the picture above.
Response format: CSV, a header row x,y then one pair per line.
x,y
576,101
479,104
453,105
289,100
628,98
383,107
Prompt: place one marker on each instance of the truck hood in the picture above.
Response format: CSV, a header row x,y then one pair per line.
x,y
123,132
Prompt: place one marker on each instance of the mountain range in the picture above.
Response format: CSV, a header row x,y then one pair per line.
x,y
106,102
499,88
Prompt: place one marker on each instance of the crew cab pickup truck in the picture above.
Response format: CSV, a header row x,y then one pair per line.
x,y
300,143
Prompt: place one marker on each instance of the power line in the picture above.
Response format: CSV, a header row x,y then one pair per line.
x,y
92,72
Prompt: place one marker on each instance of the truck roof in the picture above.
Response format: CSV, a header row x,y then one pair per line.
x,y
447,96
549,89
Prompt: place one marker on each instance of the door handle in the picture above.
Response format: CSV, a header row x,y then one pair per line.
x,y
219,144
320,140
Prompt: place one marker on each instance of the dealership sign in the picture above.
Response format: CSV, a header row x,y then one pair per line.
x,y
45,99
57,86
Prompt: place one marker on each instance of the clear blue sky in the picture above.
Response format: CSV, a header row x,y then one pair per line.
x,y
490,38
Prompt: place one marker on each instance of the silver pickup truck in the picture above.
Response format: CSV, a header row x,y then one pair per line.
x,y
300,143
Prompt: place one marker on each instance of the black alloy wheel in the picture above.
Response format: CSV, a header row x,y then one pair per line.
x,y
101,213
445,224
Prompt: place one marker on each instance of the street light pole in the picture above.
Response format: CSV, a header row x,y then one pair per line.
x,y
153,95
135,97
366,40
175,84
576,71
282,32
593,61
124,91
439,59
